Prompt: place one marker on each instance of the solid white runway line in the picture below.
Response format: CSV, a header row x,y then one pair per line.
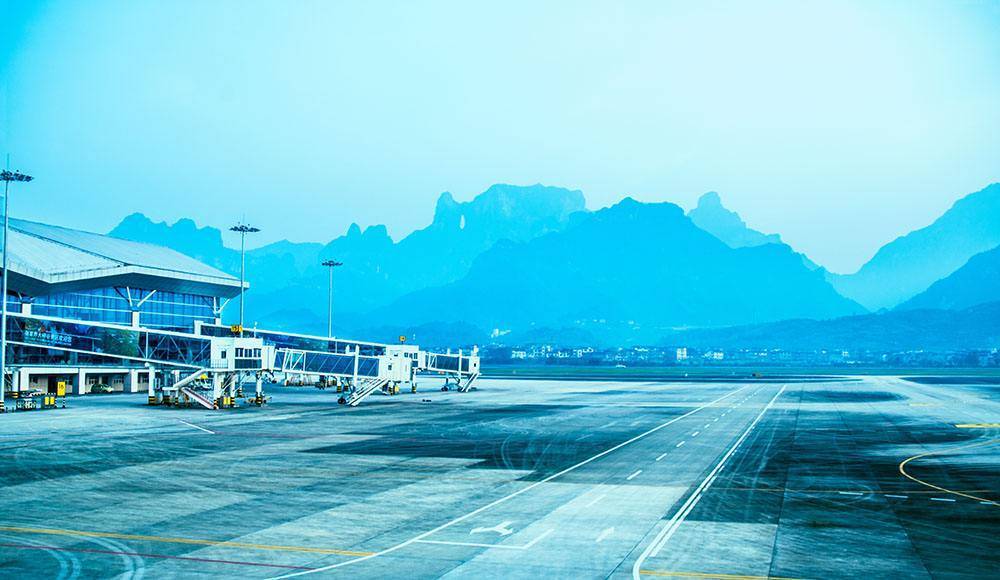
x,y
679,444
634,475
662,455
509,496
667,532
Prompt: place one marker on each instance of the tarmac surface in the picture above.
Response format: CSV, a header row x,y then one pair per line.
x,y
875,477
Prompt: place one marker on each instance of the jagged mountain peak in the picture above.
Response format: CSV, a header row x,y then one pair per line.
x,y
710,199
508,204
713,217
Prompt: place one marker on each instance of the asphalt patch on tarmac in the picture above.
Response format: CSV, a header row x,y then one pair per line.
x,y
828,479
954,380
512,438
849,396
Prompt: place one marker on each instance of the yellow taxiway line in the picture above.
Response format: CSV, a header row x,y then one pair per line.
x,y
978,425
902,470
169,540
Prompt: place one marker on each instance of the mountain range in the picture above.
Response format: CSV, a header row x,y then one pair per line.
x,y
639,262
977,327
289,288
909,265
531,262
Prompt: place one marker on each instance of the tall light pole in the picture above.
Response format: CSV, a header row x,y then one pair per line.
x,y
243,229
331,264
6,176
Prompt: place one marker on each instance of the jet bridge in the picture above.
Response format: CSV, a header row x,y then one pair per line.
x,y
459,369
359,368
210,367
184,368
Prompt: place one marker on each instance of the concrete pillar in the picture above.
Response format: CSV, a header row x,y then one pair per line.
x,y
356,359
22,380
26,307
80,385
132,381
135,318
216,386
151,387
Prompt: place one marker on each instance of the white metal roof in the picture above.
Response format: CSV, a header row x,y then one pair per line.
x,y
57,255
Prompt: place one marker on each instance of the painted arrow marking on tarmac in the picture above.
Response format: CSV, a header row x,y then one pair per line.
x,y
500,528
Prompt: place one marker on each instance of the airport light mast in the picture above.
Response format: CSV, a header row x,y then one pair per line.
x,y
243,229
331,264
6,176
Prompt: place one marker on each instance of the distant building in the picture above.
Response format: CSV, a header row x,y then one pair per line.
x,y
682,354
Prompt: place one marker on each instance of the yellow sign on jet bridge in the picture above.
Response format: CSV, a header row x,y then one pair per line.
x,y
236,329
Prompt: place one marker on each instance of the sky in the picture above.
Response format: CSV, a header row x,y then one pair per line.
x,y
839,125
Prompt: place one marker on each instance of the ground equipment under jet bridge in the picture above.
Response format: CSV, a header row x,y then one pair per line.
x,y
234,362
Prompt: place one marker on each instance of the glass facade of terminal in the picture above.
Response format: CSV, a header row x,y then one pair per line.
x,y
159,309
75,343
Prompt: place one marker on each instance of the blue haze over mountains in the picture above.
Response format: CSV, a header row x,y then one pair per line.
x,y
534,264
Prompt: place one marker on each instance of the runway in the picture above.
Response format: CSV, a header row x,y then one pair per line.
x,y
842,477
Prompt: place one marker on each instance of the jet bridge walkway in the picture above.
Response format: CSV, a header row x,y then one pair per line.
x,y
336,358
208,371
210,366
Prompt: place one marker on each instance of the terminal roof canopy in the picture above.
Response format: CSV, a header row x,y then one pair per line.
x,y
45,259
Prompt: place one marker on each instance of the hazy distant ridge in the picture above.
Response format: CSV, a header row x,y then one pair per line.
x,y
977,282
939,330
910,264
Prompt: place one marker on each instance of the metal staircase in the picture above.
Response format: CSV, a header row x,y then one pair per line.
x,y
365,388
465,387
198,398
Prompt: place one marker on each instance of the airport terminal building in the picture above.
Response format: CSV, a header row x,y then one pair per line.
x,y
60,274
90,312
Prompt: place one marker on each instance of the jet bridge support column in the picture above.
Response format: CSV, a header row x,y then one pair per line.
x,y
151,387
357,356
258,398
217,386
